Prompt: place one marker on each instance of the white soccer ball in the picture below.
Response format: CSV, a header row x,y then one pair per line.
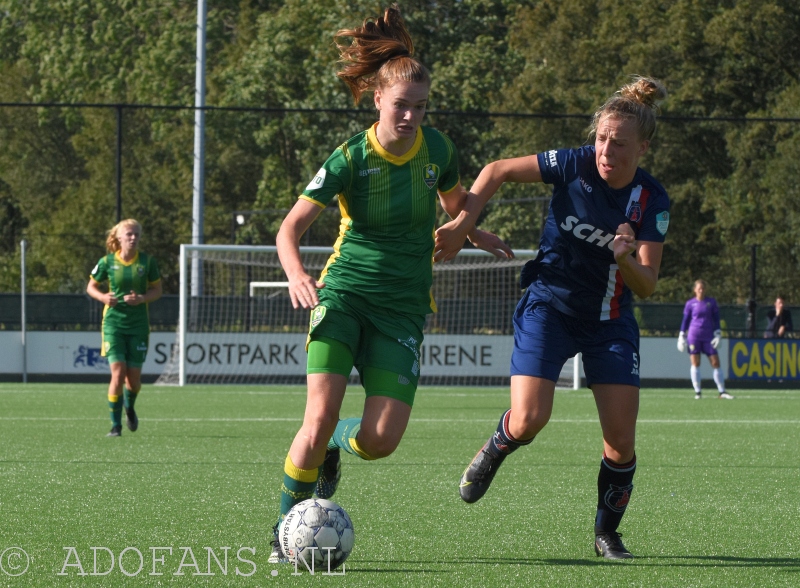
x,y
319,531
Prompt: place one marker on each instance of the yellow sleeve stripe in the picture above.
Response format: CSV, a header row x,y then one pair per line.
x,y
304,197
458,183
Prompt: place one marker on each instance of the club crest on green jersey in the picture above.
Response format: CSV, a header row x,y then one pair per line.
x,y
431,174
317,315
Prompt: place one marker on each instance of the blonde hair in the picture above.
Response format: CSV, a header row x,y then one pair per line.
x,y
637,101
112,241
380,54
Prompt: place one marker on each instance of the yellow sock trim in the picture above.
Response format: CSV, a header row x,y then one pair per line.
x,y
113,397
358,449
296,473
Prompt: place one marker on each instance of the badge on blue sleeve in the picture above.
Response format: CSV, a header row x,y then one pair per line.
x,y
662,222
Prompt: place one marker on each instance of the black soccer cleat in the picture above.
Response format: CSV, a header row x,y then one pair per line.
x,y
479,474
609,546
116,431
329,475
131,420
277,555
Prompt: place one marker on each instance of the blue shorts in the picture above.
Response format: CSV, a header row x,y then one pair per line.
x,y
545,338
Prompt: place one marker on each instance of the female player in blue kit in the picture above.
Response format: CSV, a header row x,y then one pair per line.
x,y
602,243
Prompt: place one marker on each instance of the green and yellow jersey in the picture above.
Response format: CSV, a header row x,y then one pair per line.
x,y
123,277
384,252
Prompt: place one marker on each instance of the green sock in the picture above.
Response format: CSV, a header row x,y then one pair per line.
x,y
298,485
115,408
344,437
130,398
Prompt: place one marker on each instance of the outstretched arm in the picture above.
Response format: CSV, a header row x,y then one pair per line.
x,y
450,237
519,170
464,207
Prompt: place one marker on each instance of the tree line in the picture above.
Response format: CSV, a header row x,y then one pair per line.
x,y
509,79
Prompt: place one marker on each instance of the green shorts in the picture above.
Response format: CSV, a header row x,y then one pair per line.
x,y
384,341
125,348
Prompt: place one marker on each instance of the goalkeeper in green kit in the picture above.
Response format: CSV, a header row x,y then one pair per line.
x,y
369,305
133,282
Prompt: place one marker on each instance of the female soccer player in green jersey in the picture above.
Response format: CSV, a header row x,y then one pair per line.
x,y
369,304
133,282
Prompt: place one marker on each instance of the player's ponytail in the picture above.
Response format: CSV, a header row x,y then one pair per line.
x,y
638,101
380,54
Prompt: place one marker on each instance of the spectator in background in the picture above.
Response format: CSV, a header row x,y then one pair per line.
x,y
701,333
780,320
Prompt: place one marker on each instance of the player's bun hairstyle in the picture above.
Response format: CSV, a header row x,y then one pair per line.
x,y
638,101
112,241
380,54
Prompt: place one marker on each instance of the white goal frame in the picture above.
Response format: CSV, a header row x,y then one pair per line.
x,y
571,372
253,286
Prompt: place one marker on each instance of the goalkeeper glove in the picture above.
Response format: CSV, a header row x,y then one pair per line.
x,y
717,338
681,341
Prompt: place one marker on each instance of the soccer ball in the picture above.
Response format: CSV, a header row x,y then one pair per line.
x,y
319,531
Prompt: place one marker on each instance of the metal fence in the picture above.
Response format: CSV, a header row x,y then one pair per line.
x,y
78,312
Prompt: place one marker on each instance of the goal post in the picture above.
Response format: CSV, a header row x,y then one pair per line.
x,y
238,324
254,286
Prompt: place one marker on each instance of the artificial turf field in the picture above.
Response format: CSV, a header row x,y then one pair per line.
x,y
717,498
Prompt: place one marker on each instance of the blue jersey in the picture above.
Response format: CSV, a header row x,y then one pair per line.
x,y
700,319
575,270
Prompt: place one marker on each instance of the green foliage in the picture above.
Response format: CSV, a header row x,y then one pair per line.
x,y
541,68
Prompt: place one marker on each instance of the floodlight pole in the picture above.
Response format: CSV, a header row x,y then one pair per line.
x,y
751,303
119,162
23,246
199,145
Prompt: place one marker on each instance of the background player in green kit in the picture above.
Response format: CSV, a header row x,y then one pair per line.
x,y
369,304
133,282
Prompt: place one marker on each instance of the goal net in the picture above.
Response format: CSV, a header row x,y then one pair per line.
x,y
237,324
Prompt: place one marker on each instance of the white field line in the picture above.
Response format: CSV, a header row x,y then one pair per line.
x,y
423,393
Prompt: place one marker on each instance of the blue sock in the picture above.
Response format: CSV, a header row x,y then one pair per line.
x,y
502,442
